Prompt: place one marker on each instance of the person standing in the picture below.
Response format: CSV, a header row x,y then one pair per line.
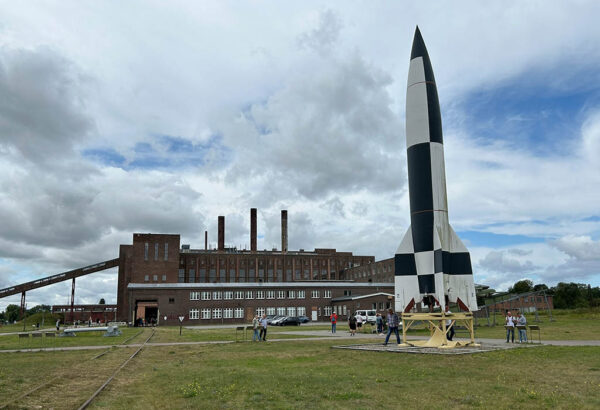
x,y
379,322
58,325
359,321
263,330
333,319
510,326
449,326
352,325
521,321
255,323
393,322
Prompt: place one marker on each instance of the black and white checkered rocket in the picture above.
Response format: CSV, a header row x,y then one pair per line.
x,y
431,260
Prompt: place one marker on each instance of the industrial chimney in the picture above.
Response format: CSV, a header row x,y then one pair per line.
x,y
221,233
205,240
253,229
284,231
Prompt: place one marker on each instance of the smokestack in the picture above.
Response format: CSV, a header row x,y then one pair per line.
x,y
284,233
253,229
221,233
205,240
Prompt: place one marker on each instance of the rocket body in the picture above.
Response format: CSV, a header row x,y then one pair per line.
x,y
431,261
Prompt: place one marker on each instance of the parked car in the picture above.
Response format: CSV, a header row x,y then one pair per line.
x,y
369,316
289,321
303,319
270,318
275,321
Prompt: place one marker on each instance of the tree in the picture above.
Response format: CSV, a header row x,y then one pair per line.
x,y
540,286
102,302
570,295
522,286
38,309
12,313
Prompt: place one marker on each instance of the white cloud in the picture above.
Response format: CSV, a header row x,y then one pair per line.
x,y
309,101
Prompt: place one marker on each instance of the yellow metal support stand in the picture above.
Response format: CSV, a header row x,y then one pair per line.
x,y
438,328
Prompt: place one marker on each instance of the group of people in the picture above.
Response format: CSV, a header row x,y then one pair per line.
x,y
510,323
259,323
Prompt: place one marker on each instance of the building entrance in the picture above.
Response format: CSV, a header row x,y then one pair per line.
x,y
146,313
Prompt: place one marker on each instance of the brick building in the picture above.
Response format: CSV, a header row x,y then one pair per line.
x,y
159,277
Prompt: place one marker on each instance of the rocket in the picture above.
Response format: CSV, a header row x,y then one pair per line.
x,y
432,265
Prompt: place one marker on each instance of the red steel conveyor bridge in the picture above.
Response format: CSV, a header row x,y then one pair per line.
x,y
59,277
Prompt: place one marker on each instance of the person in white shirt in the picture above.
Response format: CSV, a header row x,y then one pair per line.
x,y
510,326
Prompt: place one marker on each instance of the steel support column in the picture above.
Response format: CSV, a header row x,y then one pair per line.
x,y
72,300
22,305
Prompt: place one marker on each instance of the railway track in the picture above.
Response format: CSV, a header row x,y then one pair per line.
x,y
52,380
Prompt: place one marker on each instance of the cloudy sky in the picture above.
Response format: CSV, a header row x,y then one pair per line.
x,y
122,117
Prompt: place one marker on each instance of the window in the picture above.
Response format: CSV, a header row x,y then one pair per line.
x,y
231,275
301,294
327,294
291,294
327,310
260,311
192,275
171,301
239,313
249,295
319,311
314,294
194,314
164,278
301,311
155,251
239,294
280,294
146,251
228,295
281,311
166,252
217,296
344,310
194,295
242,277
202,277
271,310
380,305
347,293
205,295
181,276
291,311
216,313
227,313
146,278
212,276
260,294
270,295
205,313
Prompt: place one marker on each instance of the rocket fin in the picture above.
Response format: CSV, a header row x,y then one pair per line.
x,y
460,286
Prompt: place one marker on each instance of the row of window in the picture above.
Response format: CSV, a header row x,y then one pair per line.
x,y
227,313
238,313
156,251
154,278
260,294
202,277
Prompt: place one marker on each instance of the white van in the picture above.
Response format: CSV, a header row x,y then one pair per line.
x,y
367,315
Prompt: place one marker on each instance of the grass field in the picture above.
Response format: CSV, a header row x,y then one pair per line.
x,y
304,373
308,374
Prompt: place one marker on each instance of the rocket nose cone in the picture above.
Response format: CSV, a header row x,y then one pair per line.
x,y
418,46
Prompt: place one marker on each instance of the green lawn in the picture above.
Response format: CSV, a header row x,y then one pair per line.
x,y
10,342
166,334
311,374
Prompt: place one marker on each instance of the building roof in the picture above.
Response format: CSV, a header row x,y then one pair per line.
x,y
263,285
345,298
